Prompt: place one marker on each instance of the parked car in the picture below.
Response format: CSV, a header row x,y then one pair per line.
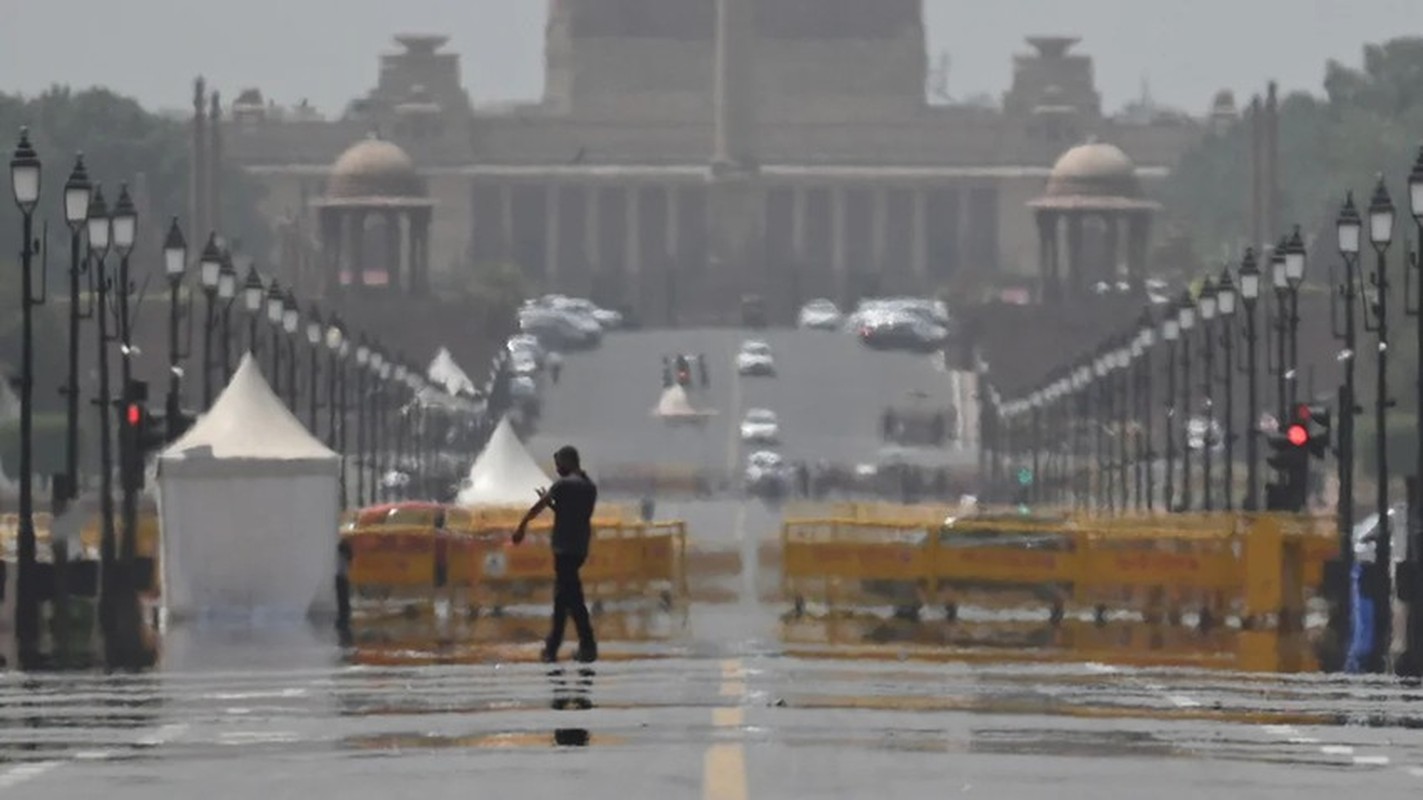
x,y
607,318
760,426
767,474
755,358
559,331
527,344
820,315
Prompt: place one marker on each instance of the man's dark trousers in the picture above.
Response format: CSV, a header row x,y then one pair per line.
x,y
568,599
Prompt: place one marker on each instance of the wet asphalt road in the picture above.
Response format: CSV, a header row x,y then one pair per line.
x,y
722,699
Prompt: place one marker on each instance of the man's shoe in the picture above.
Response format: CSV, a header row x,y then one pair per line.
x,y
548,655
587,654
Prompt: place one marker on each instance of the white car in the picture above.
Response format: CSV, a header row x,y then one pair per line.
x,y
820,315
606,318
755,358
767,473
523,363
760,426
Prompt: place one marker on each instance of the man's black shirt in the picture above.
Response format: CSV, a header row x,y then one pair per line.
x,y
573,498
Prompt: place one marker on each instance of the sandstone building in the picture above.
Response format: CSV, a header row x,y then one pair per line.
x,y
688,152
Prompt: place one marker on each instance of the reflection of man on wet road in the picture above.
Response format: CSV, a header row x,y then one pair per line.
x,y
572,498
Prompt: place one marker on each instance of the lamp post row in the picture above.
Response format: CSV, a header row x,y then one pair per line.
x,y
96,231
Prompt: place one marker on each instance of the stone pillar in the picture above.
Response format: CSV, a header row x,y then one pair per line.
x,y
392,250
506,222
198,197
633,250
672,265
879,224
735,76
356,231
1111,243
412,256
838,264
329,220
1074,253
674,222
798,222
591,237
1047,268
966,219
919,247
1138,242
551,237
420,247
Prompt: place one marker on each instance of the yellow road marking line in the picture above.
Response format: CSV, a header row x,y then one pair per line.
x,y
724,767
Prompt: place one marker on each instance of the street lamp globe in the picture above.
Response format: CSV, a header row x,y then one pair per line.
x,y
1249,278
226,278
1171,328
400,373
1278,277
210,264
1415,188
385,370
1295,259
377,360
334,335
314,328
1381,217
25,174
1187,314
252,291
1207,301
76,195
276,303
175,251
1348,226
291,317
125,222
98,222
1225,293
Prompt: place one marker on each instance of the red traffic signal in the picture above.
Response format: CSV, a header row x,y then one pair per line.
x,y
1297,435
134,415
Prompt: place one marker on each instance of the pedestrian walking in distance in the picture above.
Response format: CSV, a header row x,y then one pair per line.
x,y
572,498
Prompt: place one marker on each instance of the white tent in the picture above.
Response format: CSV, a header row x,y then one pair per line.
x,y
675,406
249,510
444,372
504,474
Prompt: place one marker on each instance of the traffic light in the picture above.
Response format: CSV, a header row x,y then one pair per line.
x,y
140,433
1289,454
1316,418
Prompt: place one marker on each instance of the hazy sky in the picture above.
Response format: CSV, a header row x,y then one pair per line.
x,y
326,51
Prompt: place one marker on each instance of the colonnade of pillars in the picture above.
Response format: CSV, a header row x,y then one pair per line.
x,y
619,243
1079,249
360,243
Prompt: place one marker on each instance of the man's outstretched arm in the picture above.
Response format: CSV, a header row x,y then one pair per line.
x,y
545,499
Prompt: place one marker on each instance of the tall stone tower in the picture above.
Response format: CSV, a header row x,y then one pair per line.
x,y
737,202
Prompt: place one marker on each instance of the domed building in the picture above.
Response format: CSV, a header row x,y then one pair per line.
x,y
1094,198
375,220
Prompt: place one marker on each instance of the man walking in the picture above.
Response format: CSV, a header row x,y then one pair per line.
x,y
572,498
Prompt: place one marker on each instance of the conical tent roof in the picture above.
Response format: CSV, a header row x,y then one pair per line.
x,y
444,371
248,421
504,474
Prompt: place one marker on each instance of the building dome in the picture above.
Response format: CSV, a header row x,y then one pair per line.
x,y
374,167
1095,169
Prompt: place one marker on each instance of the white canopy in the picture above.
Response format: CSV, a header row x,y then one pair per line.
x,y
676,405
445,372
504,474
249,509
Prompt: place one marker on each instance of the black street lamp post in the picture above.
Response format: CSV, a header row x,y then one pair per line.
x,y
1171,334
315,330
1280,328
291,321
1381,213
25,170
1348,232
175,261
1206,304
363,357
209,274
125,234
253,293
1295,260
1225,297
276,309
1413,660
1146,336
1249,297
1186,316
227,292
1122,374
76,213
100,229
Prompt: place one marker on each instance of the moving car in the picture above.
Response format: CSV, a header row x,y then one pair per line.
x,y
760,426
755,358
820,315
606,318
767,474
901,330
559,331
